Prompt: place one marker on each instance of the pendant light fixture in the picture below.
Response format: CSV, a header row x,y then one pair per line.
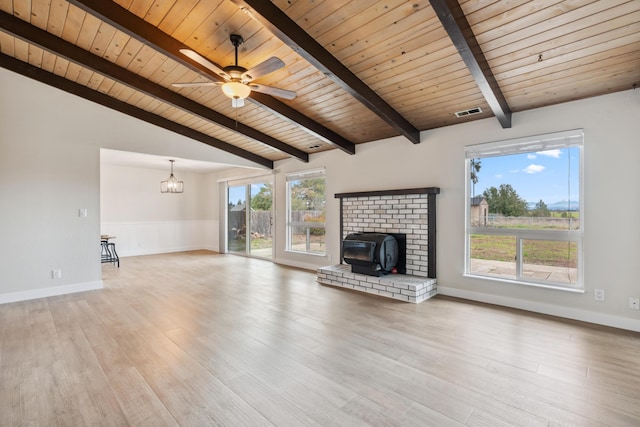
x,y
171,185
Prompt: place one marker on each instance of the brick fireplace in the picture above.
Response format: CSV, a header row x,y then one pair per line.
x,y
409,211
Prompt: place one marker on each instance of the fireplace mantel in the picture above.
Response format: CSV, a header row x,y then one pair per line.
x,y
424,190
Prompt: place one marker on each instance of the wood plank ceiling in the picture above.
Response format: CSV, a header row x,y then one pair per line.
x,y
362,70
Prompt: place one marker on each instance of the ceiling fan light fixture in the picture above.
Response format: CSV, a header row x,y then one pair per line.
x,y
236,90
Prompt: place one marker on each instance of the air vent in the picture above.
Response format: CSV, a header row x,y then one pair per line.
x,y
469,112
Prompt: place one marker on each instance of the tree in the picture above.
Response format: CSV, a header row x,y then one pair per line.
x,y
263,200
541,210
308,195
475,165
505,200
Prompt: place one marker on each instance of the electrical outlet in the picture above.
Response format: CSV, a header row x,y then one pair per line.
x,y
56,274
598,294
634,303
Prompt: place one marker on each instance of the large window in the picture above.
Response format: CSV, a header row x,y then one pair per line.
x,y
524,210
306,212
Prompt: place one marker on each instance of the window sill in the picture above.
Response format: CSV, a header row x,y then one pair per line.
x,y
576,289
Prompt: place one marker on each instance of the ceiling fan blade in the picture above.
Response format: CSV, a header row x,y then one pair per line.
x,y
204,62
273,91
269,66
196,84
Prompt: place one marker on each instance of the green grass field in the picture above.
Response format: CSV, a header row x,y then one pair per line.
x,y
569,214
539,252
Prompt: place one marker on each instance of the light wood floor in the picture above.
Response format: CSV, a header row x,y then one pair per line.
x,y
203,339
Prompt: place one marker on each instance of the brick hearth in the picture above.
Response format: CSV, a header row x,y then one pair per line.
x,y
397,286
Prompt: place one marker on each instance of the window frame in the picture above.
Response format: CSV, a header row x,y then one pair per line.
x,y
292,177
558,140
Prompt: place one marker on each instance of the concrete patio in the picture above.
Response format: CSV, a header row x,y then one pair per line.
x,y
507,270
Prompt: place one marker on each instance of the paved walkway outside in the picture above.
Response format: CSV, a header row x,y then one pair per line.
x,y
507,270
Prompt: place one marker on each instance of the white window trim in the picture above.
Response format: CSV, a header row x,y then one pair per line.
x,y
311,173
247,179
564,139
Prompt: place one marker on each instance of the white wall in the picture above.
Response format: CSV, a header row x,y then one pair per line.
x,y
146,221
49,168
42,187
611,243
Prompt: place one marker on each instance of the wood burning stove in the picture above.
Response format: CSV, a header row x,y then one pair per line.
x,y
375,254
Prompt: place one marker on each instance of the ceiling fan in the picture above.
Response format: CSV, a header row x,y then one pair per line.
x,y
239,80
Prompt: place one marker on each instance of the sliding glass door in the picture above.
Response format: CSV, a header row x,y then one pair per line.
x,y
250,219
237,219
261,220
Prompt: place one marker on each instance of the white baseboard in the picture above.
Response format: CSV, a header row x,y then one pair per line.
x,y
550,309
164,251
49,292
212,248
296,264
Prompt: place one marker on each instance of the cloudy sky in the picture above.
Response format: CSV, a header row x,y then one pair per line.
x,y
552,175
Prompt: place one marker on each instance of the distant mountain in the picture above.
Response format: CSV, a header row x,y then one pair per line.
x,y
563,205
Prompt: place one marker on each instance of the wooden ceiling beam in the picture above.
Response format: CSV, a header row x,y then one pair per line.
x,y
68,86
283,27
455,23
310,126
73,53
146,33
